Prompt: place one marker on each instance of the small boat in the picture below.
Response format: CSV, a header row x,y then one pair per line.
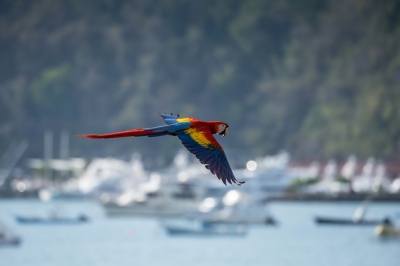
x,y
204,228
344,221
8,237
55,216
358,217
51,220
387,229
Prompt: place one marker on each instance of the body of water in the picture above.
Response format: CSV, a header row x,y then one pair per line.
x,y
142,241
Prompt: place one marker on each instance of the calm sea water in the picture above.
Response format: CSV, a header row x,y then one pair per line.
x,y
134,241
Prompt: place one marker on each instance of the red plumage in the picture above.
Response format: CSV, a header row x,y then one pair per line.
x,y
139,132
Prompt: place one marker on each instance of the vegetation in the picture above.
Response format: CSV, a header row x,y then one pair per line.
x,y
303,182
342,179
317,78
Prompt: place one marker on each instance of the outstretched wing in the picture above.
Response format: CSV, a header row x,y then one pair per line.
x,y
205,147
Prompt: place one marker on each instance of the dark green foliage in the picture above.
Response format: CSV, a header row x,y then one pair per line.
x,y
318,78
299,183
342,179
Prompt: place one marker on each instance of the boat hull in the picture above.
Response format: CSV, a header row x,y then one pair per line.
x,y
37,220
342,221
203,228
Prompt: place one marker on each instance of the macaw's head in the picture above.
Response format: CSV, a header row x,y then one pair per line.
x,y
222,129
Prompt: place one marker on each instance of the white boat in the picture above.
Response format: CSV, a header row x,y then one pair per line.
x,y
8,237
200,227
190,188
233,206
168,200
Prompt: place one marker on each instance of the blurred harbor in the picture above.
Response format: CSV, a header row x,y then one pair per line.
x,y
128,187
76,204
187,189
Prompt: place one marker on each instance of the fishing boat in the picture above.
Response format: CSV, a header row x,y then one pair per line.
x,y
203,228
344,221
358,218
51,220
56,215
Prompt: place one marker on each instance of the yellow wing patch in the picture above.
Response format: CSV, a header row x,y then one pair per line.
x,y
198,136
182,120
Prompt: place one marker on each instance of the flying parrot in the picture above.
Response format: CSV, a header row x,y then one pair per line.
x,y
195,135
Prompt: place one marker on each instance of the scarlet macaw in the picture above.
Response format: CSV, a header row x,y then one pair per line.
x,y
195,135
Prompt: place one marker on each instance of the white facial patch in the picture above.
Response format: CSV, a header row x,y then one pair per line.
x,y
221,128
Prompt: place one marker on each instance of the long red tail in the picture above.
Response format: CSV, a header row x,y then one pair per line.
x,y
123,134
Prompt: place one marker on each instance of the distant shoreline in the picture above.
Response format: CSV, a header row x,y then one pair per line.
x,y
333,198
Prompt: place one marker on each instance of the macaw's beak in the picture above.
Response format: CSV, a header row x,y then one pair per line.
x,y
224,133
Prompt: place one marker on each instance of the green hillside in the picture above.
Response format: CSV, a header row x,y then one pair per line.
x,y
317,78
